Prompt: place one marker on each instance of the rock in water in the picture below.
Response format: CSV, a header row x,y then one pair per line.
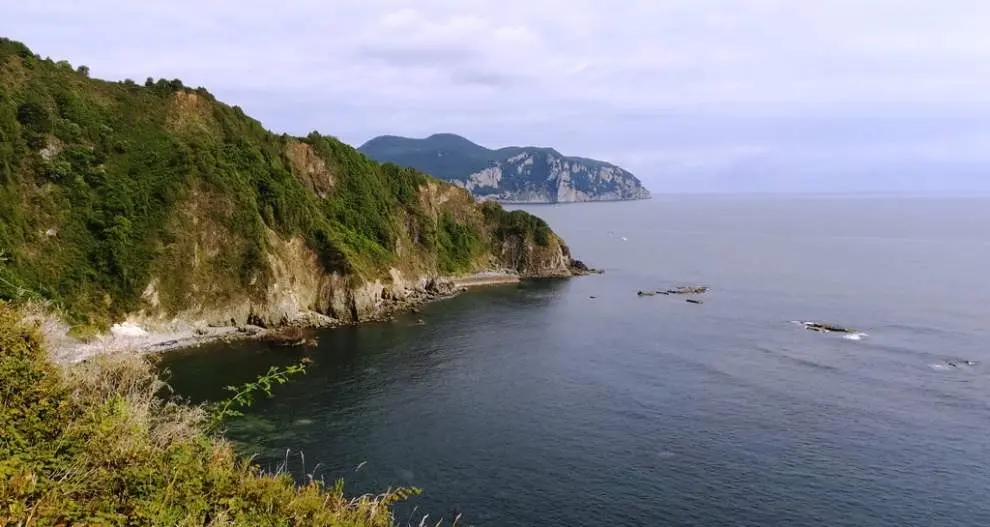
x,y
579,268
823,327
694,301
688,290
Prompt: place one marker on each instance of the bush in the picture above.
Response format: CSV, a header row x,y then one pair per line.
x,y
94,445
35,117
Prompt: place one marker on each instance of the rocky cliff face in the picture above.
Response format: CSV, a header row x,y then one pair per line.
x,y
298,289
509,174
544,176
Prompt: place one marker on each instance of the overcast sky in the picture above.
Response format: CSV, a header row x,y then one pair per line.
x,y
690,95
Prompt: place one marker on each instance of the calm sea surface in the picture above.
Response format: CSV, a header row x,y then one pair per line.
x,y
537,404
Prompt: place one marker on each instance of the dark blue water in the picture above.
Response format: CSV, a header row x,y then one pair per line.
x,y
538,405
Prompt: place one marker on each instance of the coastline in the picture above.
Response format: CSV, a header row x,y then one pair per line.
x,y
487,278
133,338
608,200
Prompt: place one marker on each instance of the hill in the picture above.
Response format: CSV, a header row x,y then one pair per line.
x,y
514,174
158,203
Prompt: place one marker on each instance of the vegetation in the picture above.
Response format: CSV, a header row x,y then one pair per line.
x,y
243,396
94,445
517,223
108,187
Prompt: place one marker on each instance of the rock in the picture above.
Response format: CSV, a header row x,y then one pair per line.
x,y
439,287
420,322
694,301
290,337
414,311
592,297
645,293
312,319
958,363
201,332
128,329
822,327
579,268
688,290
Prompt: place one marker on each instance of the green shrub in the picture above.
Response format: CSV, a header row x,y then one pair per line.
x,y
94,445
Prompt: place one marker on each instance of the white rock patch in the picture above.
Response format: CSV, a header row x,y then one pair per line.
x,y
128,329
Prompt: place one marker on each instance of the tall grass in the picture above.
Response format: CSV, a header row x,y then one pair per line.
x,y
94,444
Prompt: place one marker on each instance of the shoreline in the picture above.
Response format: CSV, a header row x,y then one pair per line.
x,y
132,338
486,278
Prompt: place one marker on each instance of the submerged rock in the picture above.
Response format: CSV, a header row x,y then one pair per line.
x,y
694,301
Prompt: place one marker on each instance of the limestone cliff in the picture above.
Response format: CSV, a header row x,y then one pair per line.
x,y
511,174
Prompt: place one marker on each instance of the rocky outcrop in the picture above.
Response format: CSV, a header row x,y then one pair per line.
x,y
301,294
513,174
545,176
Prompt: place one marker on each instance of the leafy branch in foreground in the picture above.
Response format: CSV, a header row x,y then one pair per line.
x,y
244,394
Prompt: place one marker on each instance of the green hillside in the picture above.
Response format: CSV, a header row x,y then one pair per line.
x,y
107,187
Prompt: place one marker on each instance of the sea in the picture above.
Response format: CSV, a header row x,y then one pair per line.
x,y
579,402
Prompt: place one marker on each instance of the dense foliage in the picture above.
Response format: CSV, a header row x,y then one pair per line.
x,y
94,445
104,186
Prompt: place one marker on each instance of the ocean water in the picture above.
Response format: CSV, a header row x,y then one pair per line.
x,y
536,404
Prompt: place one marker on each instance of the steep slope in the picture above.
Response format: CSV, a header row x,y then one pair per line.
x,y
515,174
158,202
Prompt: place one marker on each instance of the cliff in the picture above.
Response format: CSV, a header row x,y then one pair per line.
x,y
513,174
157,203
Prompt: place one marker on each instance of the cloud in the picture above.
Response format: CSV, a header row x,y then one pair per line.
x,y
675,89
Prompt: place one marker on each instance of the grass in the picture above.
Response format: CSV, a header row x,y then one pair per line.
x,y
93,444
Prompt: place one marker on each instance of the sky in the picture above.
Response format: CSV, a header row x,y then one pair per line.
x,y
689,95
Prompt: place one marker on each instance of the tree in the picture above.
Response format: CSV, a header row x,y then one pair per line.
x,y
34,116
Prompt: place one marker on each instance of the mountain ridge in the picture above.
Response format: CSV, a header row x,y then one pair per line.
x,y
511,173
